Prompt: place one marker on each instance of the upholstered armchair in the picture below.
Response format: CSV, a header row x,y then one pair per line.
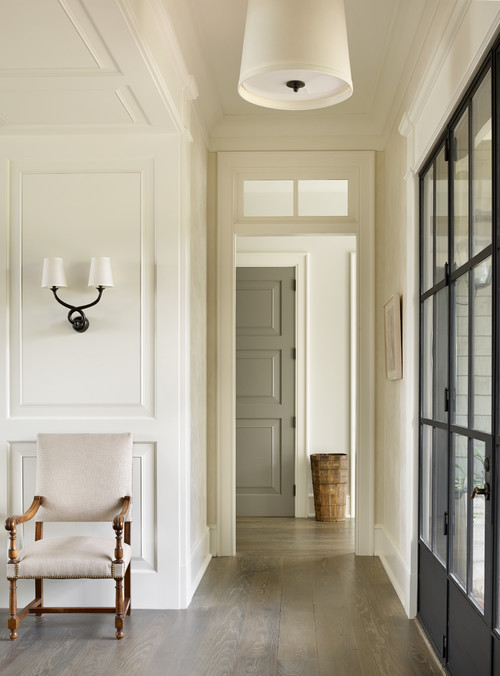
x,y
79,478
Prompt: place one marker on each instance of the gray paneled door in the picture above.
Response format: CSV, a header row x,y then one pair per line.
x,y
265,391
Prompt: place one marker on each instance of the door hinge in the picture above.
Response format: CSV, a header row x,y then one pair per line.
x,y
447,273
294,490
445,524
446,399
294,353
444,648
447,149
294,422
294,285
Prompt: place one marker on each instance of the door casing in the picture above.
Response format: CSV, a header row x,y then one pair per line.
x,y
231,169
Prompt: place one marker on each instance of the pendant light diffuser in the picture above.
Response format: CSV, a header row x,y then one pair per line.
x,y
295,54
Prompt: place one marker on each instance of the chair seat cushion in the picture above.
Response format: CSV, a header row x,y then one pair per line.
x,y
70,557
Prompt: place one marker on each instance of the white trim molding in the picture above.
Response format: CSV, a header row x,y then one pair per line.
x,y
402,577
232,169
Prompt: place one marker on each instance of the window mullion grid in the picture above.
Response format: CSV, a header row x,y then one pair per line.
x,y
434,220
470,403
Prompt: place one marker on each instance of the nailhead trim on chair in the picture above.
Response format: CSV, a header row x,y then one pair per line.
x,y
64,577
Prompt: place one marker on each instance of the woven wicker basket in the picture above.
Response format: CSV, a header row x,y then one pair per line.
x,y
329,477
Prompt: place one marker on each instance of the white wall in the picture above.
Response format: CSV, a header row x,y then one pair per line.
x,y
122,196
327,334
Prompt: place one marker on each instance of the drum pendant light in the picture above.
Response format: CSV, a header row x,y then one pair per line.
x,y
295,54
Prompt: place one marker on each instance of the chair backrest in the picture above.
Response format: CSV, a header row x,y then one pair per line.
x,y
82,477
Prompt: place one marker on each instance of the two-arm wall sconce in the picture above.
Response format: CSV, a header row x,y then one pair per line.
x,y
100,276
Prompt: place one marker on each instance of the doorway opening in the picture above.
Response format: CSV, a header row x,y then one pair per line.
x,y
324,369
291,180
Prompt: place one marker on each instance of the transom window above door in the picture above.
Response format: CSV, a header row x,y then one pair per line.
x,y
297,198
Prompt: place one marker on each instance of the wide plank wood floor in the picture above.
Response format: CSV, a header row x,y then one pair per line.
x,y
294,601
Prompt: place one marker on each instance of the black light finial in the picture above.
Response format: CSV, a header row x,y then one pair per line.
x,y
295,85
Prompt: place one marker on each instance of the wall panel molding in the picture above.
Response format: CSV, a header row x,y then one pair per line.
x,y
110,370
121,192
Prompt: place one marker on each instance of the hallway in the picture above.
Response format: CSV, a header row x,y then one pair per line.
x,y
295,601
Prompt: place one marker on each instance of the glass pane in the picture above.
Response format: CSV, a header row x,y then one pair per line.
x,y
460,144
441,354
478,525
440,493
426,485
267,198
482,202
459,506
441,216
482,345
428,230
323,198
460,399
427,357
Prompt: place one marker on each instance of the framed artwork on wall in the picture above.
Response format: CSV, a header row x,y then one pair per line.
x,y
392,338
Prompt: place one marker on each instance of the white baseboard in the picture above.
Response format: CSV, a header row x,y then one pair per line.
x,y
200,558
397,571
213,541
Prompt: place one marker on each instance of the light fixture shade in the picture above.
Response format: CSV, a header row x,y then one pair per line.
x,y
100,272
303,41
53,273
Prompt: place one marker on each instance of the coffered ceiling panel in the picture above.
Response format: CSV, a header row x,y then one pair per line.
x,y
74,64
48,35
63,107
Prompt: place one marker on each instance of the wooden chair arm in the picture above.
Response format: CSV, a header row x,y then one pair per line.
x,y
12,521
118,528
119,518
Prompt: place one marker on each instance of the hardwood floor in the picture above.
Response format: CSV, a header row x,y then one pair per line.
x,y
295,601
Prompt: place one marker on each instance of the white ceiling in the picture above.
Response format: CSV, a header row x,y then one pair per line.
x,y
385,38
75,64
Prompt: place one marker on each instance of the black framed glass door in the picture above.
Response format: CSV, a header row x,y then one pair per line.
x,y
459,602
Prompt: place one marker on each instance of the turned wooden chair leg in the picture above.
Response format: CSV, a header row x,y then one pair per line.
x,y
128,576
13,621
128,590
39,595
120,619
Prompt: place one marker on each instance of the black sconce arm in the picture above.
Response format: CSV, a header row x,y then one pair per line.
x,y
80,323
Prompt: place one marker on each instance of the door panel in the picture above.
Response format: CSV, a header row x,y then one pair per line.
x,y
468,641
496,655
259,456
432,597
258,377
265,391
459,352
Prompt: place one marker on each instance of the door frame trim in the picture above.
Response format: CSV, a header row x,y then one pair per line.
x,y
231,167
299,262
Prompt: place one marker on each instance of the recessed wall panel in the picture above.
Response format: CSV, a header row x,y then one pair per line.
x,y
108,370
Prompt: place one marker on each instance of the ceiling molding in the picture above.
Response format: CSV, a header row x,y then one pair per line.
x,y
469,33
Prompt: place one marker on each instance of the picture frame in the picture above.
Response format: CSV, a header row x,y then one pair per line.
x,y
392,338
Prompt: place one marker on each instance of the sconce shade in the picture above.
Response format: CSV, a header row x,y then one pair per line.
x,y
100,272
53,273
295,54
